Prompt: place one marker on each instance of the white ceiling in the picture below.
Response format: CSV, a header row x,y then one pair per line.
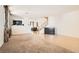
x,y
42,10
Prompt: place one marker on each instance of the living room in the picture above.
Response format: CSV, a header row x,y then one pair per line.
x,y
53,26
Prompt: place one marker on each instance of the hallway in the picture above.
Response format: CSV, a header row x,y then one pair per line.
x,y
31,43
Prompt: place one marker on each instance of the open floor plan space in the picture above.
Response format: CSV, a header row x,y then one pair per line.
x,y
39,28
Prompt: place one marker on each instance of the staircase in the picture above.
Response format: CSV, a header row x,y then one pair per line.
x,y
37,26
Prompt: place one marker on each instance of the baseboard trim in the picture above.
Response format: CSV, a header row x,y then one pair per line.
x,y
68,36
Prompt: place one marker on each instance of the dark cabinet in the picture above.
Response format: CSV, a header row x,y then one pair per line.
x,y
49,31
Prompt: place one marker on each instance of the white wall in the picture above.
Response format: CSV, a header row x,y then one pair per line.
x,y
17,29
2,21
68,24
51,21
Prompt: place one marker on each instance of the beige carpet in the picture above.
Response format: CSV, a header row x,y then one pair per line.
x,y
32,44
